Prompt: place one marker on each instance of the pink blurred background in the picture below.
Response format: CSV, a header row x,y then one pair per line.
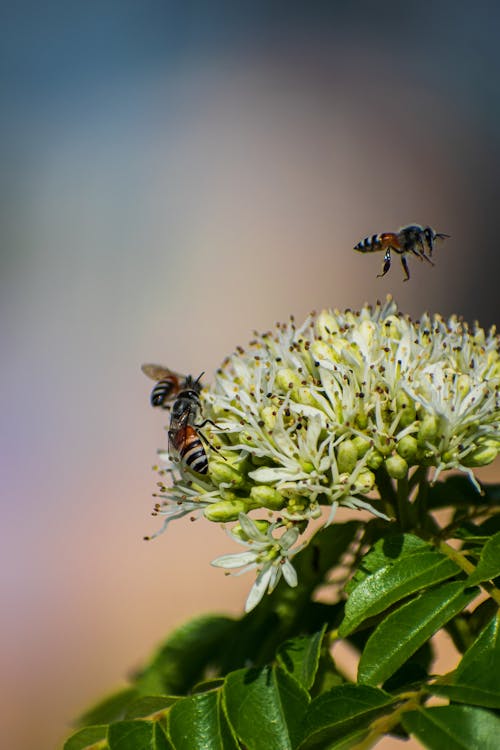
x,y
173,179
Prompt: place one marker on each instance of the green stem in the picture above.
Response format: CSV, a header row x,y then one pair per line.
x,y
404,507
420,505
381,727
460,559
386,491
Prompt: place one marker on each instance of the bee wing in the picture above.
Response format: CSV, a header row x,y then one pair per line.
x,y
158,372
177,436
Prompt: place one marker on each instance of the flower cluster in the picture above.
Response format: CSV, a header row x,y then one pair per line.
x,y
311,416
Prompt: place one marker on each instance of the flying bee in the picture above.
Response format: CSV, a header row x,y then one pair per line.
x,y
181,394
411,239
168,384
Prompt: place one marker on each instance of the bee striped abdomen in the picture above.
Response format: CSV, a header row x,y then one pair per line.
x,y
378,242
190,449
163,392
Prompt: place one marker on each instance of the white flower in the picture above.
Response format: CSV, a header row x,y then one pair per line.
x,y
316,415
269,554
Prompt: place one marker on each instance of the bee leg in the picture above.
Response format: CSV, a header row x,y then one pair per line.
x,y
207,441
208,421
404,263
387,263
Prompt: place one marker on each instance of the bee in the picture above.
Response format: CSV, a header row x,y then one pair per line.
x,y
168,384
181,394
411,239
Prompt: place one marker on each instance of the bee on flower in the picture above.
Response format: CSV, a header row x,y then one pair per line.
x,y
320,415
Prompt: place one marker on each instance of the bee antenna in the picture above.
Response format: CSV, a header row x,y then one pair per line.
x,y
199,377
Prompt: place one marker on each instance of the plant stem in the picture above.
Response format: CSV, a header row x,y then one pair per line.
x,y
460,559
404,508
383,726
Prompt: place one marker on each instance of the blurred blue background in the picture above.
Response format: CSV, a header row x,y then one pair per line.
x,y
173,177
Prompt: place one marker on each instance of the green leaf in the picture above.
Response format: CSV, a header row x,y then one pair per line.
x,y
199,721
402,632
385,552
86,737
111,708
488,566
476,679
147,705
342,711
186,655
266,708
390,584
454,728
300,657
137,735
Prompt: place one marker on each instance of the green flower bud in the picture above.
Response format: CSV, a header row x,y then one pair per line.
x,y
374,460
267,497
365,481
428,429
407,448
221,471
396,466
385,445
225,510
481,456
361,444
361,420
406,409
347,456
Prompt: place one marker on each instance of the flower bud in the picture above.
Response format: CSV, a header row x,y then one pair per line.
x,y
481,456
428,429
407,448
267,497
347,456
396,466
374,460
225,510
365,481
221,471
385,445
406,408
361,420
361,444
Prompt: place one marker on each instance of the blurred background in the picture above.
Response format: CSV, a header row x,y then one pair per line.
x,y
174,176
